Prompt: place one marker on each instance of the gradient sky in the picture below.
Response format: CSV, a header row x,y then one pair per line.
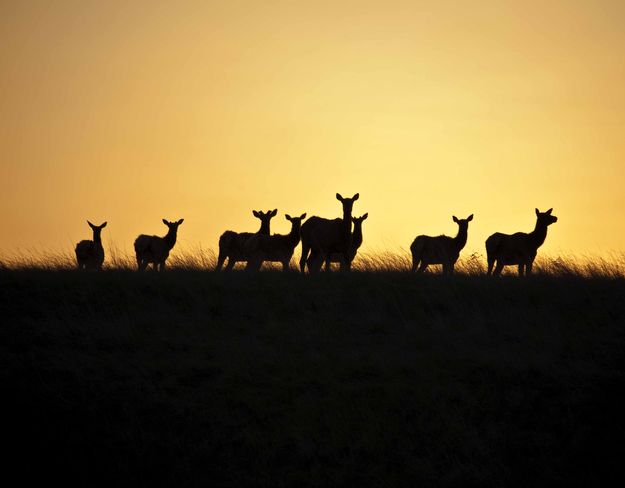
x,y
134,111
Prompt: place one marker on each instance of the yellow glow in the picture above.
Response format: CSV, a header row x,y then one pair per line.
x,y
134,111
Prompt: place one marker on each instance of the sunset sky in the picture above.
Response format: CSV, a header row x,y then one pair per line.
x,y
132,112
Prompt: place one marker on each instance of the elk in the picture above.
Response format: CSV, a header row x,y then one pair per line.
x,y
232,244
518,249
90,254
275,248
324,237
338,257
155,249
443,249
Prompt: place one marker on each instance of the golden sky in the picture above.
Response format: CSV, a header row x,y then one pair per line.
x,y
135,111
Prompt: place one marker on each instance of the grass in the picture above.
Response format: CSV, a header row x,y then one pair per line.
x,y
198,258
372,378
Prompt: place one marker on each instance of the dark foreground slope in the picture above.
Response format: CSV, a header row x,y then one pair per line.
x,y
195,378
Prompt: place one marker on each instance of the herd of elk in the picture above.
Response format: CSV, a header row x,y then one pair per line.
x,y
328,241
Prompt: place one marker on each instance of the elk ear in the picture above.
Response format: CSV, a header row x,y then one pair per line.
x,y
165,222
180,221
256,214
364,217
288,217
339,197
470,218
455,219
537,212
90,224
355,197
274,212
303,216
549,211
103,225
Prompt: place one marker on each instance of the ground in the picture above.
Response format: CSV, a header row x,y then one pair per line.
x,y
193,378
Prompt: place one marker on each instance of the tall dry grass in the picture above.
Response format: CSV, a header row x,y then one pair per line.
x,y
199,258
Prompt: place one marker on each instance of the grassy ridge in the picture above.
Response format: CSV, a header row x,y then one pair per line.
x,y
377,379
198,258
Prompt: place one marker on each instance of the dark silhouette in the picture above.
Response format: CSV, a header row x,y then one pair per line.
x,y
90,254
232,244
520,248
325,237
441,249
155,249
313,259
276,248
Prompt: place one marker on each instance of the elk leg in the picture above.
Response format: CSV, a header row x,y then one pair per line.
x,y
491,263
422,268
521,269
347,262
220,262
314,262
302,259
415,263
498,268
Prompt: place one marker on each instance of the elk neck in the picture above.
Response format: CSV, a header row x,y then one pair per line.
x,y
461,237
357,236
539,234
264,227
294,236
170,238
347,225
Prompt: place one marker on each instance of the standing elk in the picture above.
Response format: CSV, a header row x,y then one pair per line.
x,y
443,250
355,245
155,249
232,244
90,254
324,237
518,249
276,248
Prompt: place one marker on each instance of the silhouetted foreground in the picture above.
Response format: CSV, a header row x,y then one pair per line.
x,y
271,379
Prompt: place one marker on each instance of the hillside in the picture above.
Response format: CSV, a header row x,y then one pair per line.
x,y
373,379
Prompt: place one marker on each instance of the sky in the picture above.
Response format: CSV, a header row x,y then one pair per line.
x,y
131,112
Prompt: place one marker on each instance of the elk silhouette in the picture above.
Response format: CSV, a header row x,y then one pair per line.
x,y
324,237
155,249
313,259
518,249
440,249
275,248
232,244
90,254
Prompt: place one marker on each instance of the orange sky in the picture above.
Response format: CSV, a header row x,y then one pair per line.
x,y
134,111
